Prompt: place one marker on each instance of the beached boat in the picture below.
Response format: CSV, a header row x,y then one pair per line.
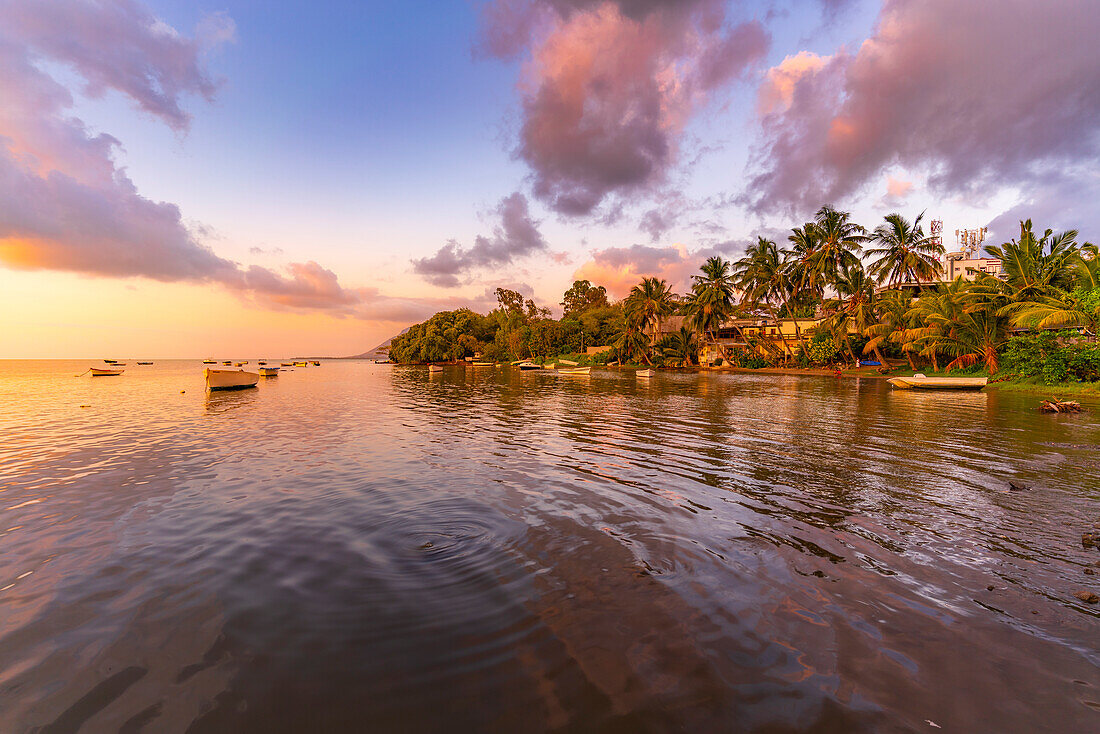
x,y
921,382
645,373
230,379
96,372
575,371
529,366
567,362
269,372
435,368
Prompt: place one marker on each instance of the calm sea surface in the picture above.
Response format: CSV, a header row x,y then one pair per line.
x,y
366,547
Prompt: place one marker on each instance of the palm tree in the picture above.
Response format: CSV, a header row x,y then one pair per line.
x,y
891,310
765,282
1037,266
650,300
1063,310
958,321
681,347
838,242
711,301
904,253
800,259
853,309
1088,266
631,339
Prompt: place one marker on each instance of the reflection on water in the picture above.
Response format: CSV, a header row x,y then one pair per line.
x,y
365,547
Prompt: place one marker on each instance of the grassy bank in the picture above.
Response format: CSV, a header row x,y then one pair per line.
x,y
1035,386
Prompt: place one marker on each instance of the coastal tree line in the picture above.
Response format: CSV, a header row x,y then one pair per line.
x,y
877,293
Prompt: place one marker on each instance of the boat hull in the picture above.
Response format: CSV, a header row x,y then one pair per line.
x,y
577,371
269,372
230,379
939,383
105,373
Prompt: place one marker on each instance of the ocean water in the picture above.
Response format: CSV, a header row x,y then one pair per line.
x,y
361,547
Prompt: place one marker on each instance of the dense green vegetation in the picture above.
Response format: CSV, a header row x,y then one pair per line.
x,y
876,293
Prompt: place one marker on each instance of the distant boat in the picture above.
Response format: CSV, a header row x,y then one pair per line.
x,y
286,364
96,372
239,364
529,366
575,371
301,364
269,372
230,379
645,373
228,363
315,363
921,382
111,361
482,364
209,361
435,368
261,363
145,363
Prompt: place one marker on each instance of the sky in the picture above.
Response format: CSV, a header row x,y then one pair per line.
x,y
193,178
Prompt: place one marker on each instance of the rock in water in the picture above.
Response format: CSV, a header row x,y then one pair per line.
x,y
1018,487
1087,596
1090,540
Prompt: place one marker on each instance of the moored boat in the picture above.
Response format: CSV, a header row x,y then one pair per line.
x,y
482,364
567,362
435,368
645,373
210,361
228,363
269,372
921,382
96,372
111,361
286,364
529,366
575,371
239,364
145,363
315,363
301,364
230,379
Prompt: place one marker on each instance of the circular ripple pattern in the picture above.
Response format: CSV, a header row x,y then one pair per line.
x,y
361,547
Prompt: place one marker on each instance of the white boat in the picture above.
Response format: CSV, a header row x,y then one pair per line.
x,y
529,366
96,372
575,371
645,373
921,382
567,362
269,372
435,368
230,379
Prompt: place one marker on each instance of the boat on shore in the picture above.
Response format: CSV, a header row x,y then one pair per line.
x,y
567,362
574,371
920,382
97,372
269,372
230,379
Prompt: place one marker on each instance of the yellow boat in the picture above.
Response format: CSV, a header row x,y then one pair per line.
x,y
209,361
921,382
482,364
301,364
230,379
315,363
96,372
574,371
269,372
286,364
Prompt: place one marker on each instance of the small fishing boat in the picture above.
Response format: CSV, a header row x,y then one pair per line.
x,y
529,366
645,373
230,379
209,361
269,372
482,364
921,382
239,364
286,364
567,362
575,371
145,363
435,368
228,363
315,363
96,372
261,363
301,364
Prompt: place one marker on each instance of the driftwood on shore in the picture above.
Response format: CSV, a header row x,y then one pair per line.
x,y
1057,406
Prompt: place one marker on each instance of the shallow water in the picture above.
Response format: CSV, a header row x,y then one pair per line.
x,y
373,548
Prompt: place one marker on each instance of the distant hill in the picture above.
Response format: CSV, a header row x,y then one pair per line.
x,y
382,351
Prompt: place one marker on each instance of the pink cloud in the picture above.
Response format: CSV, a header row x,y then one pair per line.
x,y
976,110
609,87
64,203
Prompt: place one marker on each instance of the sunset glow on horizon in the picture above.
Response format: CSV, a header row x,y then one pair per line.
x,y
193,179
